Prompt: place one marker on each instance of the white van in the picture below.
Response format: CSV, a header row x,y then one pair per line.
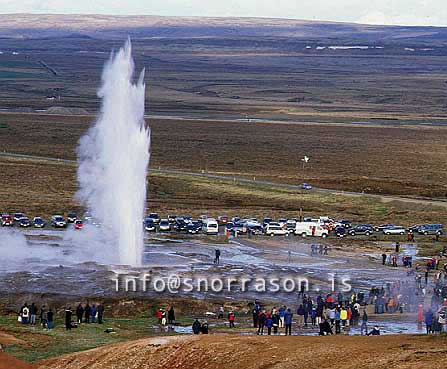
x,y
305,229
210,226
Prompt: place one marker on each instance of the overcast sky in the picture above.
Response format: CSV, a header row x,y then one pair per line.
x,y
402,12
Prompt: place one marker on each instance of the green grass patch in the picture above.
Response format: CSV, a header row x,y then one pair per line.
x,y
42,344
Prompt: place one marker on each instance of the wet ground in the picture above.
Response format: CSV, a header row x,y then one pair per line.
x,y
51,265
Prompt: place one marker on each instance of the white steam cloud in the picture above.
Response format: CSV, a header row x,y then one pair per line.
x,y
113,161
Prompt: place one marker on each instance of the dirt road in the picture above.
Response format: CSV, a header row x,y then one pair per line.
x,y
383,198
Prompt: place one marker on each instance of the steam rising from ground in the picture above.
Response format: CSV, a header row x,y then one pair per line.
x,y
113,161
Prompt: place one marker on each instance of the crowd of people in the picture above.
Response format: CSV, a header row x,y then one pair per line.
x,y
31,314
330,314
166,318
84,314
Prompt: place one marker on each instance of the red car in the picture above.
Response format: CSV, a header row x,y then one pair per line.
x,y
78,224
7,221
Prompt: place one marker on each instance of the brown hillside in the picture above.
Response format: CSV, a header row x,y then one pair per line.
x,y
230,351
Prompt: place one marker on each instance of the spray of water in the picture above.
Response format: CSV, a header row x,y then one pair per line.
x,y
113,160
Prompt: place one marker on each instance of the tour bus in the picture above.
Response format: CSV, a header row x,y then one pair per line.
x,y
210,226
315,229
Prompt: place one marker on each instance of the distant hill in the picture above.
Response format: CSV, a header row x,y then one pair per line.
x,y
104,26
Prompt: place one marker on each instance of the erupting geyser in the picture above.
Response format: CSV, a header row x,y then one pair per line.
x,y
113,160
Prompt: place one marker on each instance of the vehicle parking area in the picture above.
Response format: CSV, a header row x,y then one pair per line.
x,y
322,226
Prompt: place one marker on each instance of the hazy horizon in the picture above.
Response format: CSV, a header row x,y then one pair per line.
x,y
376,12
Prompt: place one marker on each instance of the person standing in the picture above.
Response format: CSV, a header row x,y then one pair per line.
x,y
220,313
171,315
255,313
32,314
300,312
94,312
288,317
196,326
337,320
79,313
313,316
275,322
100,313
269,324
383,259
50,319
88,313
217,257
397,247
261,323
68,314
282,312
364,326
231,318
343,316
25,314
43,317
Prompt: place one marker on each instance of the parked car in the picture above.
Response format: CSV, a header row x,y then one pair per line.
x,y
394,230
316,229
78,224
381,227
414,228
282,222
266,221
164,225
17,217
7,221
155,217
239,227
71,217
202,218
58,221
180,224
343,223
194,227
24,222
38,222
149,225
210,226
306,186
274,229
255,229
427,229
171,218
365,229
222,219
340,231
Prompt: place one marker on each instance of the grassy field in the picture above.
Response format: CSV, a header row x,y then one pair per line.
x,y
49,187
406,161
41,344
